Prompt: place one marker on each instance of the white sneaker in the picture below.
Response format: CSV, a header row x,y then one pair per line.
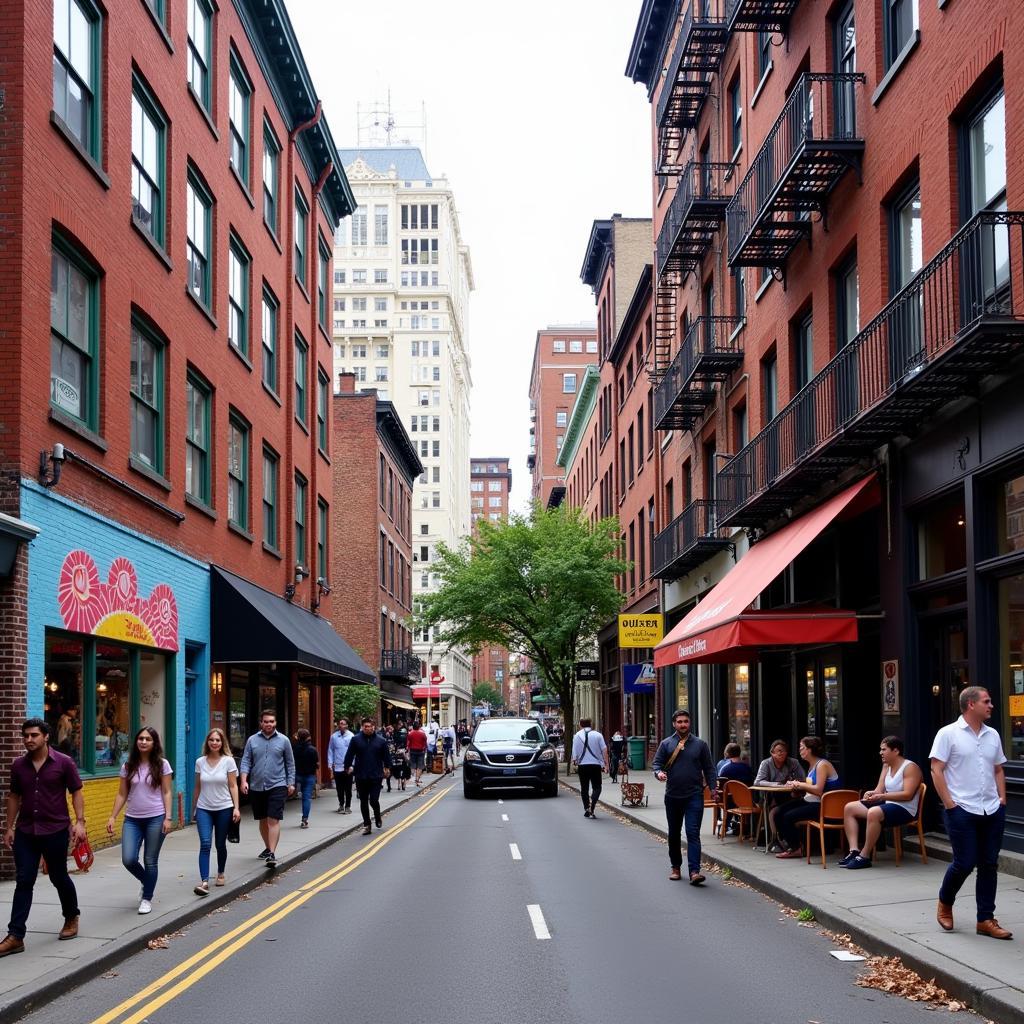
x,y
145,907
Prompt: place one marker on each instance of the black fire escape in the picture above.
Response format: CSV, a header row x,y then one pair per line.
x,y
689,540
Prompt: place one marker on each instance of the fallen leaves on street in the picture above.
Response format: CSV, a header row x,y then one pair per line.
x,y
160,942
890,974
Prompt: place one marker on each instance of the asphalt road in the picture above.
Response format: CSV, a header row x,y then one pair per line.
x,y
430,920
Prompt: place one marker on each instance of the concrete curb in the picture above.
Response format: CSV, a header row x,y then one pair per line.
x,y
981,998
31,996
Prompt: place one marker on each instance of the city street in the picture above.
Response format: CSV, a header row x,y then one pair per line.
x,y
510,910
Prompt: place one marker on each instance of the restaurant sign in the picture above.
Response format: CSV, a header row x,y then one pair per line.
x,y
641,630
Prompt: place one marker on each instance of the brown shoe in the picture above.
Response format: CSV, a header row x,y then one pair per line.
x,y
70,929
697,878
993,929
11,945
944,915
675,874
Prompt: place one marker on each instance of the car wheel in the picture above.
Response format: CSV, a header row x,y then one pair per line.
x,y
470,792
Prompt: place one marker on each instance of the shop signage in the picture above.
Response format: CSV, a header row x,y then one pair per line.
x,y
587,671
639,678
1016,705
891,687
114,609
641,630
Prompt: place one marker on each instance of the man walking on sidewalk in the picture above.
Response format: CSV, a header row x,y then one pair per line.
x,y
369,760
337,748
967,771
684,763
38,825
268,769
590,755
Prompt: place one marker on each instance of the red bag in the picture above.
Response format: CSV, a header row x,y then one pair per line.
x,y
82,852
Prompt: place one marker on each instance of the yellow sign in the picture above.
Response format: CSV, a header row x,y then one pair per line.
x,y
125,626
641,630
1016,704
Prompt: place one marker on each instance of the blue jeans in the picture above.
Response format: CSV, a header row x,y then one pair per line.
x,y
976,840
137,833
28,848
688,810
212,825
306,784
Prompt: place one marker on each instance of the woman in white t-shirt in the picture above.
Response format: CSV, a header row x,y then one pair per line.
x,y
145,795
215,799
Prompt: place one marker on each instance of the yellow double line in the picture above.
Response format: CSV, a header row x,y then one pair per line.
x,y
162,991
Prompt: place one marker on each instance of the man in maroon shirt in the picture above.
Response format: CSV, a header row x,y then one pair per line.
x,y
38,825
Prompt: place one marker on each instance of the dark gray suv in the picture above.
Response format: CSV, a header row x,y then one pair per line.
x,y
509,752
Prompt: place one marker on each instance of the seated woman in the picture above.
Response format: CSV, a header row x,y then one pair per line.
x,y
821,777
892,802
776,770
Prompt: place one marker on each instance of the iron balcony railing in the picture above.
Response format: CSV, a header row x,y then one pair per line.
x,y
960,319
700,44
697,208
399,664
710,351
690,539
812,143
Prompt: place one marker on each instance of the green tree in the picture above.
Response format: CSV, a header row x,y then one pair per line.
x,y
355,703
541,585
487,693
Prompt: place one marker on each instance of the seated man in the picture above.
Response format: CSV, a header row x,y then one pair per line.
x,y
733,768
776,770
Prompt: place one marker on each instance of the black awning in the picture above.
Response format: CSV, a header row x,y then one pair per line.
x,y
392,690
250,625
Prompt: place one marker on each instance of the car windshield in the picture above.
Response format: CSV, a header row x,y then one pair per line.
x,y
509,732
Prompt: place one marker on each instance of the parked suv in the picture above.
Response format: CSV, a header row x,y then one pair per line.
x,y
509,752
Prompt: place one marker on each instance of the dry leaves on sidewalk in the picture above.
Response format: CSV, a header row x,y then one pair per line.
x,y
889,974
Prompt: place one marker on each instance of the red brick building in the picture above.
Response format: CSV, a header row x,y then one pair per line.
x,y
561,354
169,190
838,315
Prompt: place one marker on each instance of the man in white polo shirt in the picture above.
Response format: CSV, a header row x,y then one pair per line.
x,y
967,771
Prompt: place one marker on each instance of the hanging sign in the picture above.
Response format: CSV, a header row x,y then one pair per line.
x,y
588,671
891,687
641,630
639,678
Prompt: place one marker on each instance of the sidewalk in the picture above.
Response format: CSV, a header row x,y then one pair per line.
x,y
889,910
111,928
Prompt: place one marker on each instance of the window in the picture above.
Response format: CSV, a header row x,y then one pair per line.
x,y
147,397
200,33
238,472
380,374
905,238
74,336
300,519
803,362
322,279
359,226
359,277
847,304
435,450
558,345
739,283
76,70
735,116
380,277
323,386
900,22
494,502
380,225
197,439
494,486
739,427
239,94
592,346
380,305
764,53
270,464
476,485
983,163
575,345
569,383
770,385
238,297
301,225
301,376
269,340
199,204
322,520
271,164
149,172
359,305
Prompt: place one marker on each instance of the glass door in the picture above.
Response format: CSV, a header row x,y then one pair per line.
x,y
944,660
820,678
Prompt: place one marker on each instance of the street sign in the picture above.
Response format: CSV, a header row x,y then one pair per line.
x,y
587,671
641,630
639,678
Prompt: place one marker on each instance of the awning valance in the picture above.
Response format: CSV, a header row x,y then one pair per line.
x,y
724,629
405,705
250,625
397,694
426,692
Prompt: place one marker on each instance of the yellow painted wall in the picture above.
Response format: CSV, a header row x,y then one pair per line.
x,y
99,799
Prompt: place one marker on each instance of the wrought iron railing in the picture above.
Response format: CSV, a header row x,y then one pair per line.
x,y
700,182
400,663
883,376
697,522
822,108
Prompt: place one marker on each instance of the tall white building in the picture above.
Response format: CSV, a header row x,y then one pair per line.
x,y
402,278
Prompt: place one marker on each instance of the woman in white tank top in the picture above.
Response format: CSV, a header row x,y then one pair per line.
x,y
892,802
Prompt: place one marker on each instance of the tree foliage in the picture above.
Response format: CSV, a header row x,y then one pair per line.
x,y
355,703
487,693
542,586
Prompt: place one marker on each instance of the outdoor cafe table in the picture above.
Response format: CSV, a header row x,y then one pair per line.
x,y
767,787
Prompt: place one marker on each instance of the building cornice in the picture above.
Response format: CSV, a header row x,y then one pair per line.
x,y
599,248
650,40
582,410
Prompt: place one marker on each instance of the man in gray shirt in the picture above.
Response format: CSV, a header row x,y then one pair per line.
x,y
267,774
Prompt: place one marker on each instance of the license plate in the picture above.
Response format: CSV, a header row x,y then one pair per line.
x,y
508,771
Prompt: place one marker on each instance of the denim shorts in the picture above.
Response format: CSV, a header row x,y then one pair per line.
x,y
893,813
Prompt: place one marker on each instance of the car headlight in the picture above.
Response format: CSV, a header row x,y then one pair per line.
x,y
471,755
547,755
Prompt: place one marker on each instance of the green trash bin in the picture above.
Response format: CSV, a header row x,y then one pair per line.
x,y
636,752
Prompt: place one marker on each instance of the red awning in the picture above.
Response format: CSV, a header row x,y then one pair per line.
x,y
426,692
724,628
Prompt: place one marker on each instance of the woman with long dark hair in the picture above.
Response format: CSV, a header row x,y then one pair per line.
x,y
145,794
307,766
215,799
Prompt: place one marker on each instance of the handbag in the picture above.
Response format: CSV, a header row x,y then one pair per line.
x,y
82,852
235,831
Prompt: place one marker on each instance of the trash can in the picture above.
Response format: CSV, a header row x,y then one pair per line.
x,y
636,753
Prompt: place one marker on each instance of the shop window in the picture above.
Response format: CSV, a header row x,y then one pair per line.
x,y
739,706
942,537
63,674
112,734
1010,516
1011,659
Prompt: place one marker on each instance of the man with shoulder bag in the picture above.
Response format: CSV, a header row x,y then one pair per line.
x,y
590,756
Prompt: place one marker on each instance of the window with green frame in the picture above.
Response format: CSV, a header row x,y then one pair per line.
x,y
301,229
322,519
200,50
323,284
77,38
300,519
239,262
199,216
268,334
74,334
147,396
92,697
271,175
239,97
301,379
323,391
159,9
197,438
270,464
149,166
238,471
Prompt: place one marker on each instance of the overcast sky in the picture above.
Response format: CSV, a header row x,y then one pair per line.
x,y
539,132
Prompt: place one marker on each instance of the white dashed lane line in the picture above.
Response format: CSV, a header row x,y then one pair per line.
x,y
540,927
516,855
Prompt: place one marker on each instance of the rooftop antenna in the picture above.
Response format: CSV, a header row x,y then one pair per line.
x,y
380,124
